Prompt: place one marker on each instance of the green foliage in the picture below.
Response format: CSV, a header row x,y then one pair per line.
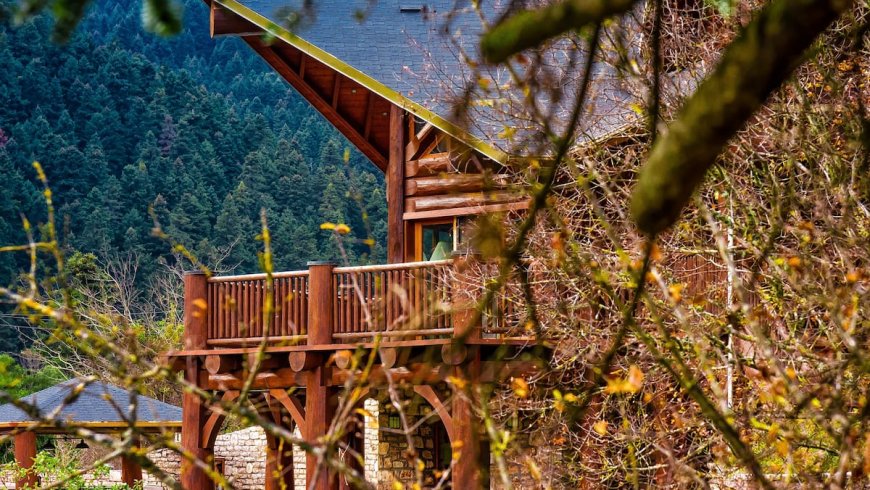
x,y
55,468
199,131
17,381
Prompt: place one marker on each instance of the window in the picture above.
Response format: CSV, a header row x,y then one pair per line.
x,y
435,241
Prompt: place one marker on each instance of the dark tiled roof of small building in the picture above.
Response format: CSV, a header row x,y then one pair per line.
x,y
97,402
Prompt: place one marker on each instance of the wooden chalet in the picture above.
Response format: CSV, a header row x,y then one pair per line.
x,y
365,78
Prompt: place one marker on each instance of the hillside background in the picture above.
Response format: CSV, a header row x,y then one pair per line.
x,y
199,130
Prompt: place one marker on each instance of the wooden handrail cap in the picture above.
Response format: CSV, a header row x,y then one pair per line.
x,y
322,262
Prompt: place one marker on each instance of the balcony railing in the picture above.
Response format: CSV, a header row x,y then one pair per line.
x,y
342,305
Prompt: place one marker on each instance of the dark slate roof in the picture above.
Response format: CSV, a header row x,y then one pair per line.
x,y
413,48
98,402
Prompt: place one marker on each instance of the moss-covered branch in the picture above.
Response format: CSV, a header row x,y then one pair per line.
x,y
753,66
530,28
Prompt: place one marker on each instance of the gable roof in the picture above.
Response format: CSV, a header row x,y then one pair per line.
x,y
98,403
409,53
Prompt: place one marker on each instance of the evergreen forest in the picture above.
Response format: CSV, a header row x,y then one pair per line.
x,y
195,133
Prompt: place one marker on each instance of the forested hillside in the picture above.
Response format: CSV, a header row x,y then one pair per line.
x,y
200,130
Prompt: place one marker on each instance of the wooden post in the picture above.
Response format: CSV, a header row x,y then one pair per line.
x,y
320,303
195,310
318,413
193,411
396,188
131,472
193,419
471,469
25,453
279,465
355,440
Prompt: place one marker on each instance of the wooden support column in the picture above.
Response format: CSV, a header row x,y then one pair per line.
x,y
279,465
131,472
355,440
195,310
194,413
471,468
318,415
318,411
25,453
396,188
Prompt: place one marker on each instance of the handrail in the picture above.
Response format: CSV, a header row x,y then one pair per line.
x,y
392,267
257,277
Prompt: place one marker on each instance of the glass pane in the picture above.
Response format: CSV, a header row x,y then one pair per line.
x,y
437,241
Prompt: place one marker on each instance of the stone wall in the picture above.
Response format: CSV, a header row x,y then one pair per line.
x,y
244,460
244,456
395,463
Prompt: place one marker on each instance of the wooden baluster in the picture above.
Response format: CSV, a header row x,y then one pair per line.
x,y
258,307
236,311
388,298
299,300
306,300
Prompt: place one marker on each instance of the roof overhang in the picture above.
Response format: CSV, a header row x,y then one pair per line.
x,y
96,426
266,31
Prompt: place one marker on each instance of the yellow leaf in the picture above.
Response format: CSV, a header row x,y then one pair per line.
x,y
457,382
676,292
327,226
782,447
600,427
631,384
520,387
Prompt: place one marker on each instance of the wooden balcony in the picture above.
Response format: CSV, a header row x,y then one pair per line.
x,y
328,307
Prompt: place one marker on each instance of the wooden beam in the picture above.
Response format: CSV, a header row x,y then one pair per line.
x,y
212,425
224,22
420,140
297,80
428,393
430,165
469,211
336,90
396,188
470,199
370,110
292,404
453,184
